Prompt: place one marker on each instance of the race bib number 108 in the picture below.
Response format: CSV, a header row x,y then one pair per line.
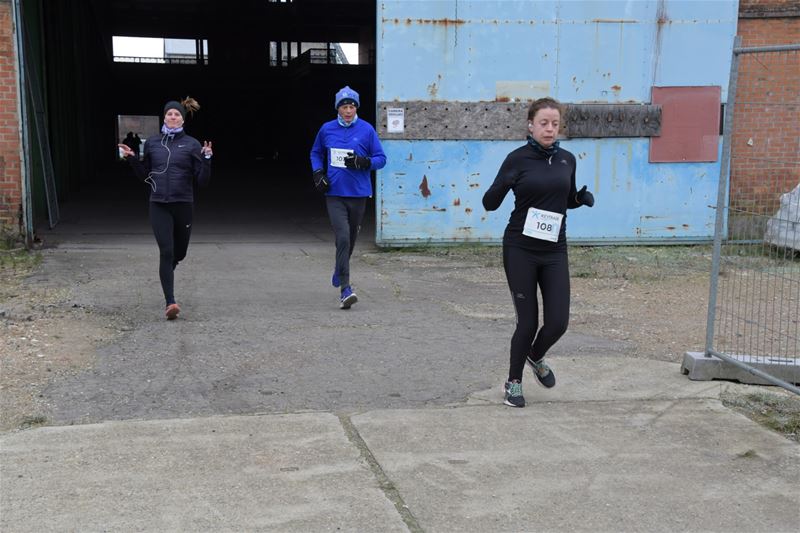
x,y
541,224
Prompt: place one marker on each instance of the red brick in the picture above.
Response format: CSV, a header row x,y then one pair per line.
x,y
10,184
758,176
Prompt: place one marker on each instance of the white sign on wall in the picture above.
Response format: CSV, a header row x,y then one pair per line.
x,y
395,119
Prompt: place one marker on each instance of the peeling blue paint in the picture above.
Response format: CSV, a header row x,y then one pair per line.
x,y
606,51
665,200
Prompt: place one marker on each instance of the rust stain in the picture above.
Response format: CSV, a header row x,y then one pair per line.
x,y
436,22
423,187
457,201
662,19
433,88
468,210
671,228
616,88
502,99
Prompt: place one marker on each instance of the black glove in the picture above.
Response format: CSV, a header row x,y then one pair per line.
x,y
321,181
585,197
357,161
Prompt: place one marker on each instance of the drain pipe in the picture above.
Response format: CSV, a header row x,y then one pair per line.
x,y
22,113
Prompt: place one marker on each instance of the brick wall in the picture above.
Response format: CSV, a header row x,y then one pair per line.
x,y
766,140
768,8
10,175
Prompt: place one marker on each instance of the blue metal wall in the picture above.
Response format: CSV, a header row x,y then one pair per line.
x,y
607,51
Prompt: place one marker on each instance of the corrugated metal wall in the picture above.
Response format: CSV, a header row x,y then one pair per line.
x,y
606,51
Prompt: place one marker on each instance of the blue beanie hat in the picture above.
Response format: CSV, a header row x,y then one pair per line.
x,y
346,93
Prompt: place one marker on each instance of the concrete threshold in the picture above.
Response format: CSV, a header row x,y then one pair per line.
x,y
618,445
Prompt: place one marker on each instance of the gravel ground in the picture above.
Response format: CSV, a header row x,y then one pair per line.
x,y
652,301
43,336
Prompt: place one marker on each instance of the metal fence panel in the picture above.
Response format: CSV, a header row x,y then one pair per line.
x,y
754,303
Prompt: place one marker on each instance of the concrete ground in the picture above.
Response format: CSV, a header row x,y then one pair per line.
x,y
265,408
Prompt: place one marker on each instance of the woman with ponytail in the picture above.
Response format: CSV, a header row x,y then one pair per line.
x,y
171,164
542,176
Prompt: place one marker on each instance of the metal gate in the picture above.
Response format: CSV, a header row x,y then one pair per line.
x,y
754,302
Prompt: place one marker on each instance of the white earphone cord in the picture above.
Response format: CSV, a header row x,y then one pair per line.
x,y
149,179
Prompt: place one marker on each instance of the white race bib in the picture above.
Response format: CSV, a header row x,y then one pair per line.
x,y
337,157
541,224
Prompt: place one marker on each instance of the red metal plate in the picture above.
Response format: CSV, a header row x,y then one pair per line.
x,y
689,124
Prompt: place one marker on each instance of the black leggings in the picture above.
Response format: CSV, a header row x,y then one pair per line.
x,y
172,226
525,270
346,214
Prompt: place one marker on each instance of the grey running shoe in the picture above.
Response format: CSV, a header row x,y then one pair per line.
x,y
512,391
542,372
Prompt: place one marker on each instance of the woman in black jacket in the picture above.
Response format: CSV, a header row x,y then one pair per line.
x,y
172,162
542,176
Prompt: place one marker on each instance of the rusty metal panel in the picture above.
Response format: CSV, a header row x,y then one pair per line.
x,y
433,192
435,195
456,120
507,120
587,52
690,129
611,120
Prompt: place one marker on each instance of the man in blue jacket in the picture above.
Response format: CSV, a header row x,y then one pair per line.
x,y
344,152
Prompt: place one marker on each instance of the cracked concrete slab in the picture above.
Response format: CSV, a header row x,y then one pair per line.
x,y
659,465
681,464
294,472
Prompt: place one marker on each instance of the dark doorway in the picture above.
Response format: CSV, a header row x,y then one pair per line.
x,y
265,73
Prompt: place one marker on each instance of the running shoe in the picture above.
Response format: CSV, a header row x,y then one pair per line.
x,y
512,394
172,311
544,374
335,278
348,298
